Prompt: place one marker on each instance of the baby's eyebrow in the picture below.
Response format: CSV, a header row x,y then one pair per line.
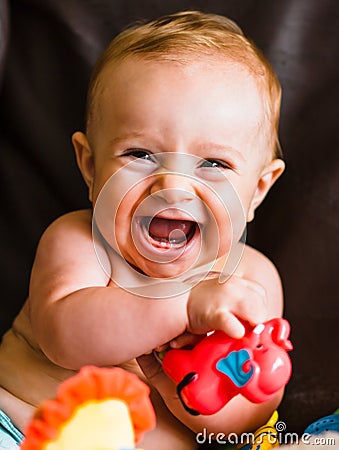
x,y
127,136
220,149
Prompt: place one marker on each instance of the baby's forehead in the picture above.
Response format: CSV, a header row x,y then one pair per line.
x,y
136,79
127,72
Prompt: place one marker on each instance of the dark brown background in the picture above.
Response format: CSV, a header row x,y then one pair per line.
x,y
47,48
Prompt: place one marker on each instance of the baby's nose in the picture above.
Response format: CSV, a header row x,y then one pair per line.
x,y
173,188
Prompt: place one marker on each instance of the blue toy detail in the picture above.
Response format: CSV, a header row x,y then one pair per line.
x,y
328,423
232,366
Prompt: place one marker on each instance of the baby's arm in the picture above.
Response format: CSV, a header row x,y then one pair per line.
x,y
79,316
244,298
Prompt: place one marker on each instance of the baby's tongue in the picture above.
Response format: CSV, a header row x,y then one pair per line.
x,y
162,228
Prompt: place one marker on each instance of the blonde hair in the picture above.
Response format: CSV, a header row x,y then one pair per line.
x,y
178,37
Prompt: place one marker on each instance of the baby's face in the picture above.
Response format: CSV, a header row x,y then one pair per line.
x,y
188,141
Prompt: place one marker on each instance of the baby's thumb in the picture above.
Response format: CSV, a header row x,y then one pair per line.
x,y
229,324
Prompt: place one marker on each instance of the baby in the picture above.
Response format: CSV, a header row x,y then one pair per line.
x,y
180,149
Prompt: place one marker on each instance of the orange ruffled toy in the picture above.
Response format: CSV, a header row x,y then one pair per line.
x,y
97,409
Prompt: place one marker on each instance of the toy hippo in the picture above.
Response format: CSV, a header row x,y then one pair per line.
x,y
219,367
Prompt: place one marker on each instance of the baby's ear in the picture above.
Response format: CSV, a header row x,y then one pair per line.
x,y
85,159
268,177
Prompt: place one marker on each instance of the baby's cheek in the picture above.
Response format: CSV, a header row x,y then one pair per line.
x,y
227,218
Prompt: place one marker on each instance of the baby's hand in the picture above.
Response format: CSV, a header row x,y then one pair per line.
x,y
219,306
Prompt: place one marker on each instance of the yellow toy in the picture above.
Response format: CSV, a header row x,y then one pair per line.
x,y
266,437
97,409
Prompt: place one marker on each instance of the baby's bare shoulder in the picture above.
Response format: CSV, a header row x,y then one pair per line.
x,y
254,261
74,228
72,221
259,268
67,239
66,260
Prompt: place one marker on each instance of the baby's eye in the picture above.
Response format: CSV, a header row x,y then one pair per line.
x,y
138,153
215,163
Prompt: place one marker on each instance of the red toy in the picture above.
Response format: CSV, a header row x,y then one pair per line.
x,y
219,367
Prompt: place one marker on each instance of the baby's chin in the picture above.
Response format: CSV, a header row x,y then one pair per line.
x,y
184,267
163,270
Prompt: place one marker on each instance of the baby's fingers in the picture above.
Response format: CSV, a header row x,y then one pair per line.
x,y
228,323
186,339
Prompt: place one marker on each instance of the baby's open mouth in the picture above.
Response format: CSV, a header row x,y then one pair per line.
x,y
168,233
